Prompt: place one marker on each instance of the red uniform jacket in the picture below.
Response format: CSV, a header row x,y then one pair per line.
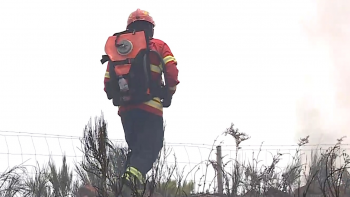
x,y
154,106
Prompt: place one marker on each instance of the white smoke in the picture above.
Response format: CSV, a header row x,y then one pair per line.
x,y
324,111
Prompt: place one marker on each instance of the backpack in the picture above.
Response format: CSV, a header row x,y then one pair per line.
x,y
130,70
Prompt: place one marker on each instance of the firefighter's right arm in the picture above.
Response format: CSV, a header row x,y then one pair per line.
x,y
172,71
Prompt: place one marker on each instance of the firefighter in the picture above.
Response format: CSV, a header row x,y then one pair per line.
x,y
143,123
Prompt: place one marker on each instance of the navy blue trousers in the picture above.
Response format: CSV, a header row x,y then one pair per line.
x,y
144,134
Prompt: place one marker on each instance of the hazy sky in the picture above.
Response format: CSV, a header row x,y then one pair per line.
x,y
251,63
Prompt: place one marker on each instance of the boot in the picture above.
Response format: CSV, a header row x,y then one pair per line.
x,y
132,183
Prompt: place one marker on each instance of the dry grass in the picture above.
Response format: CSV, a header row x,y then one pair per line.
x,y
103,164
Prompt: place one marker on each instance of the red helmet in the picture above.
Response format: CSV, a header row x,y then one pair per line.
x,y
140,15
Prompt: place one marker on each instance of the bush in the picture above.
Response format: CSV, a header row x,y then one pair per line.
x,y
103,164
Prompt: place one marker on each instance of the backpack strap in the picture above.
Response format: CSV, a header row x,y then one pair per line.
x,y
106,58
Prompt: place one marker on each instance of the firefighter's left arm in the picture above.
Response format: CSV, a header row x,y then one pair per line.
x,y
106,78
172,71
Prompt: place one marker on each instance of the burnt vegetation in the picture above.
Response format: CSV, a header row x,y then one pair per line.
x,y
324,174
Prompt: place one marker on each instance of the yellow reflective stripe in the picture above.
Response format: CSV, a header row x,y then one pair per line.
x,y
107,74
156,99
156,103
168,59
135,172
157,69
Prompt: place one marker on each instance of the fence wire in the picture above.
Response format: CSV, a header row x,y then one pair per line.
x,y
34,149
